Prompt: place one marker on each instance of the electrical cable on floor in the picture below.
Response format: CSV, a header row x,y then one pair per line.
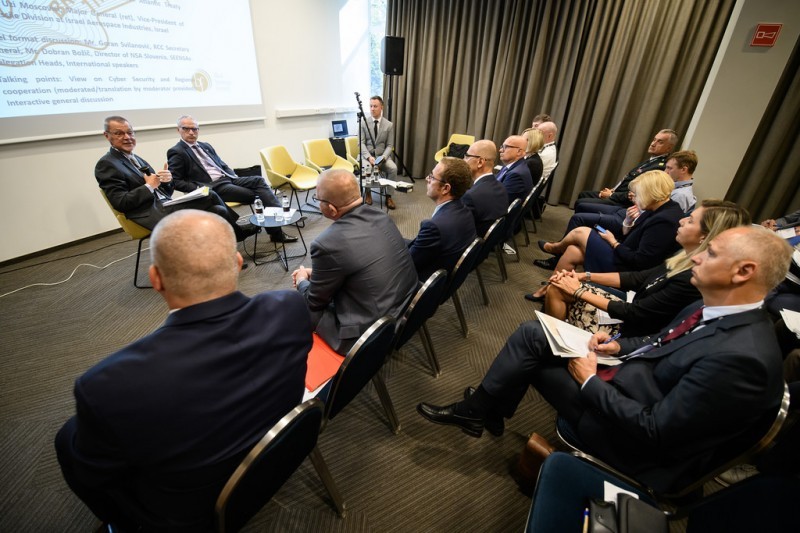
x,y
72,274
67,257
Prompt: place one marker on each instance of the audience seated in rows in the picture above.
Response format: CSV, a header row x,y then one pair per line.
x,y
660,147
661,292
696,386
487,198
360,266
450,230
162,423
647,241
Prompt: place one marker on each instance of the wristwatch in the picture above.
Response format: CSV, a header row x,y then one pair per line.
x,y
588,275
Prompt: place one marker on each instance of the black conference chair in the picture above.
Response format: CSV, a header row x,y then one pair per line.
x,y
466,263
492,242
537,205
512,219
270,463
422,307
737,451
362,364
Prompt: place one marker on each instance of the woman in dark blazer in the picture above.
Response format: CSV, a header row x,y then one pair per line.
x,y
661,291
532,159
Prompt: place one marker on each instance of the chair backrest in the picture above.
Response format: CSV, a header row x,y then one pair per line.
x,y
134,230
512,217
352,146
362,362
422,307
278,164
465,264
461,138
268,465
494,236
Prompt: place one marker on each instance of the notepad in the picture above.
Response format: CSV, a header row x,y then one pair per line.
x,y
566,340
200,192
323,363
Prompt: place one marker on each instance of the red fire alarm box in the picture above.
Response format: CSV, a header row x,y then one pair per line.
x,y
766,34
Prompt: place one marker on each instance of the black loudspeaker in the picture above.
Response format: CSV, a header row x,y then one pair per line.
x,y
392,52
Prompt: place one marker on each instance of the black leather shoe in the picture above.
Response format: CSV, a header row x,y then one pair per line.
x,y
246,230
547,264
447,416
541,246
282,237
493,424
532,298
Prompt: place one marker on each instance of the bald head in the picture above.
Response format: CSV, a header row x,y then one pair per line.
x,y
513,149
337,189
481,157
549,131
195,256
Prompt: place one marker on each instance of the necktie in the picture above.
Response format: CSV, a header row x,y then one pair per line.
x,y
376,130
214,170
684,327
501,173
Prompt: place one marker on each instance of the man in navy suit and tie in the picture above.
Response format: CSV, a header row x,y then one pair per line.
x,y
138,191
161,424
514,175
444,237
196,164
487,198
710,382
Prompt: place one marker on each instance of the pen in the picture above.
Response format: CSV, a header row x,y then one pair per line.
x,y
612,338
586,520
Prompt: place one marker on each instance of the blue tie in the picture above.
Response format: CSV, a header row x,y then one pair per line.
x,y
502,173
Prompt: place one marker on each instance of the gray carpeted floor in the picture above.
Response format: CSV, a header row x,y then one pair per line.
x,y
427,478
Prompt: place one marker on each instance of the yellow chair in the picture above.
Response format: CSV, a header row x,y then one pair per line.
x,y
457,138
320,156
135,231
283,170
353,149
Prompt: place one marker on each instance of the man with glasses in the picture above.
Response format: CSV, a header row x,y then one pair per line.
x,y
196,164
487,198
514,175
444,237
136,190
360,267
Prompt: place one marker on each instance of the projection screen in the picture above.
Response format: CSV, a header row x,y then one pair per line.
x,y
67,64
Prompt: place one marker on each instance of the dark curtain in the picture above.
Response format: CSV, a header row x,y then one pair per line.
x,y
767,180
610,72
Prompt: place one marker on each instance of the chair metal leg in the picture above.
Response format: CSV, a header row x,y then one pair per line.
x,y
460,313
432,353
501,262
480,284
136,268
327,480
386,402
422,331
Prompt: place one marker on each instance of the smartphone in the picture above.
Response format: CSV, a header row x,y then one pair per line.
x,y
600,229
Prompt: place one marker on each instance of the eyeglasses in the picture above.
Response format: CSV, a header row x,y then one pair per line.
x,y
314,197
507,146
431,177
193,130
120,134
472,155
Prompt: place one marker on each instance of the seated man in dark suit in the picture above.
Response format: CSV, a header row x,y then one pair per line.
x,y
514,175
163,423
444,237
678,396
360,266
609,199
136,190
487,198
195,164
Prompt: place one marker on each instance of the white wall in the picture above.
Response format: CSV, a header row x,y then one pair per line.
x,y
738,91
51,196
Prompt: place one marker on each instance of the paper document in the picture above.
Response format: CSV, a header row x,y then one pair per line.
x,y
567,340
604,319
399,185
786,233
188,197
792,320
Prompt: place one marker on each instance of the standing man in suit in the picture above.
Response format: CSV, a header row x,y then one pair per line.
x,y
162,423
514,175
710,379
444,237
196,164
136,190
379,141
487,198
360,266
660,147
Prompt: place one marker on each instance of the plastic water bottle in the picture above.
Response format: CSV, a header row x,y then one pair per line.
x,y
285,205
258,207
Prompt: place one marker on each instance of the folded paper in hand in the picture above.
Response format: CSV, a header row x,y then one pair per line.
x,y
567,340
188,197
